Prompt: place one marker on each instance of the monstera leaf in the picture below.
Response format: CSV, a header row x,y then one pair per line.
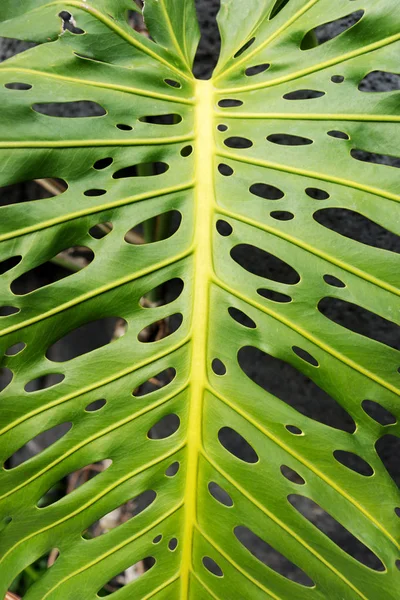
x,y
268,481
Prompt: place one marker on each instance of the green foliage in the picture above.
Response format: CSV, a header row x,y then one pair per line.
x,y
237,295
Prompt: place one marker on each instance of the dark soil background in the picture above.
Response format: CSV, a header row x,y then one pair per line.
x,y
268,374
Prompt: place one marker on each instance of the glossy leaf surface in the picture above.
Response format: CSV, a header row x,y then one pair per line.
x,y
248,163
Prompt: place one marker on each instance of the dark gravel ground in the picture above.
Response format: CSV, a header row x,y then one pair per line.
x,y
273,375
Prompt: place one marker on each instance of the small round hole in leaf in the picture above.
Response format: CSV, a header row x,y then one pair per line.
x,y
95,192
293,429
124,127
257,69
218,366
219,494
317,194
282,215
186,151
172,470
103,163
96,405
212,566
334,281
224,228
173,83
225,170
172,544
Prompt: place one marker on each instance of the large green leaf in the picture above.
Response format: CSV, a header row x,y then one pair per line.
x,y
223,268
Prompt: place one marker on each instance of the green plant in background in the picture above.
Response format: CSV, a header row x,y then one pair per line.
x,y
249,165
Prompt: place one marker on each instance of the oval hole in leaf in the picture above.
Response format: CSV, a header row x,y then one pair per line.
x,y
22,582
266,554
380,81
31,191
6,377
70,110
293,387
173,544
327,31
317,194
243,49
9,263
387,160
361,321
218,366
96,405
165,427
162,227
15,349
355,226
282,215
163,294
172,469
222,127
294,430
241,318
354,462
340,135
303,95
160,330
124,127
95,192
157,539
286,139
292,475
238,142
78,478
219,494
334,281
169,119
377,412
84,339
48,272
121,514
173,83
38,444
388,449
149,169
273,295
155,383
103,163
335,531
186,151
266,191
100,230
212,566
306,356
337,78
224,228
140,568
229,103
6,311
263,264
18,86
235,443
225,170
44,382
257,69
276,9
